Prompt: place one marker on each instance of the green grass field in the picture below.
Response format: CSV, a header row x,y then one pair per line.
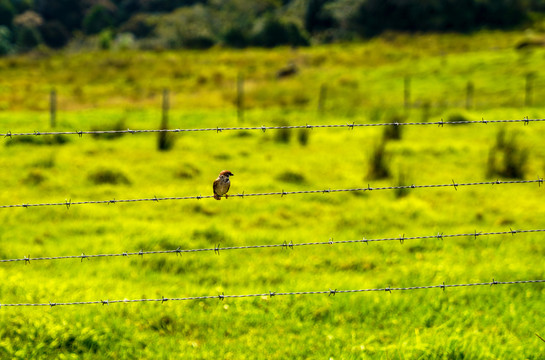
x,y
364,85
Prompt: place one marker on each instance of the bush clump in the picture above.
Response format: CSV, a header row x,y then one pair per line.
x,y
108,176
378,166
291,177
507,157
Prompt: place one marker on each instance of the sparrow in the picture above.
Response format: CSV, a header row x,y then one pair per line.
x,y
222,184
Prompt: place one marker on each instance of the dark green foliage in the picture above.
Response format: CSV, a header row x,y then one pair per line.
x,y
140,25
97,19
317,17
54,34
5,41
166,5
376,16
274,32
7,13
266,23
70,13
27,37
105,39
236,37
108,176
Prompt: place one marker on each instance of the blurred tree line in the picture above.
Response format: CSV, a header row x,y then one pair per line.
x,y
155,24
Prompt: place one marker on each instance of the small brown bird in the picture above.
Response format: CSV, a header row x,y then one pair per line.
x,y
222,184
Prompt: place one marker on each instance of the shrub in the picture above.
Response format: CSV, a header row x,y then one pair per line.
x,y
7,13
38,140
272,31
507,158
97,19
34,177
125,41
378,167
108,176
303,135
188,27
235,37
6,46
54,34
140,25
188,171
458,117
291,177
105,39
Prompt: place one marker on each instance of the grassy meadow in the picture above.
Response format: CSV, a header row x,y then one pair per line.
x,y
364,84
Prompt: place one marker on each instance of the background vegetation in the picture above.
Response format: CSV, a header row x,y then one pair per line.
x,y
197,24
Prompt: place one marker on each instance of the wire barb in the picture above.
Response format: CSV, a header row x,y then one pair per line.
x,y
284,245
281,193
263,128
330,292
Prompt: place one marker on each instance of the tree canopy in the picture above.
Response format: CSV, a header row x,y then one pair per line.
x,y
240,23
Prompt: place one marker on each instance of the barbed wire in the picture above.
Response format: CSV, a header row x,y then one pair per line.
x,y
263,128
69,203
285,245
271,294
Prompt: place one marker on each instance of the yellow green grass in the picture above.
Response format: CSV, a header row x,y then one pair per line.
x,y
365,84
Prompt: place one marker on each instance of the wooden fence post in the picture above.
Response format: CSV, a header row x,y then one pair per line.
x,y
165,140
166,106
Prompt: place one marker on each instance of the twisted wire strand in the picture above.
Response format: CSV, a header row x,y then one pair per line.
x,y
218,129
285,245
282,193
270,294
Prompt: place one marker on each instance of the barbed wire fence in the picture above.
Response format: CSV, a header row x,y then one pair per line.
x,y
9,134
271,294
285,245
455,185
